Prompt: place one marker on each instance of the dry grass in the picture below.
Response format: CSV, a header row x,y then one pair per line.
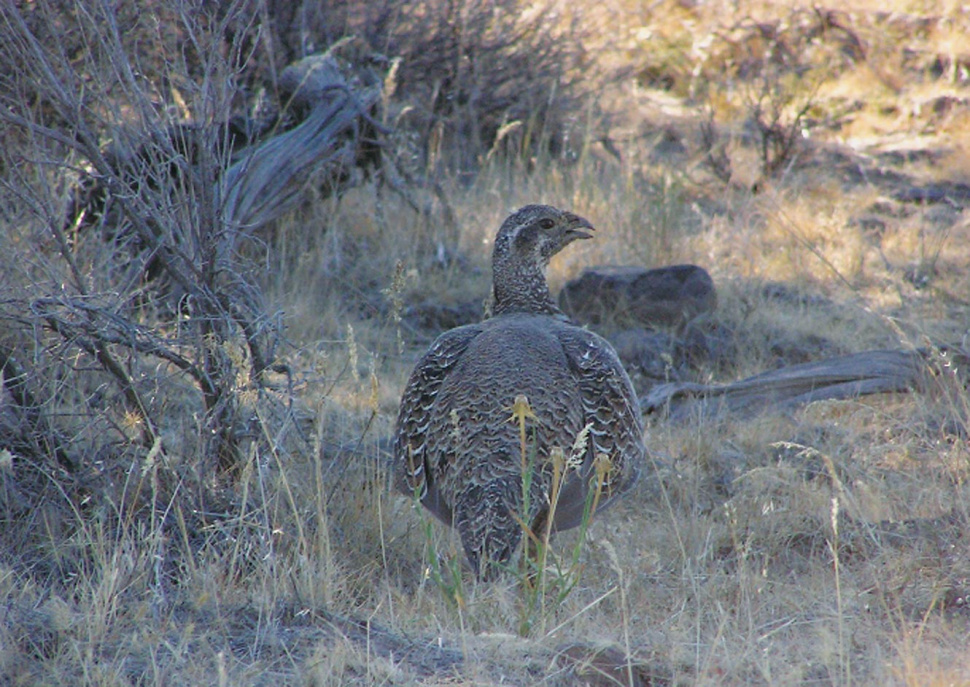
x,y
824,546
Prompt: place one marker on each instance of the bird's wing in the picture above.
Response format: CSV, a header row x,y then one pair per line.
x,y
612,413
413,473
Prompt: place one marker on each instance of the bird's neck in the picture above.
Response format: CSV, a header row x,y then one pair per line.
x,y
518,287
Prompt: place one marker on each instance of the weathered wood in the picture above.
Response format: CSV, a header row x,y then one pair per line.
x,y
269,179
848,376
334,142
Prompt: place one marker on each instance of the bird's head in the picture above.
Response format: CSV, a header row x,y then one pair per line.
x,y
535,233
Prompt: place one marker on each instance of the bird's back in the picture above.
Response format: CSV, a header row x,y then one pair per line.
x,y
514,355
475,443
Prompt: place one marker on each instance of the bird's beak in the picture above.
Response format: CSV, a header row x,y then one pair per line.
x,y
578,227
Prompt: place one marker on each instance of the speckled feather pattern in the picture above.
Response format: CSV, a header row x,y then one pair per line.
x,y
455,446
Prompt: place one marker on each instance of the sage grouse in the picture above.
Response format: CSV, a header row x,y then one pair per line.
x,y
458,445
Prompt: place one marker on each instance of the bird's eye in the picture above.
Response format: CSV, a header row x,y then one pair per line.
x,y
546,223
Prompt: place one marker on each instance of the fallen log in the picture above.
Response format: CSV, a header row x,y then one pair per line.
x,y
269,179
848,376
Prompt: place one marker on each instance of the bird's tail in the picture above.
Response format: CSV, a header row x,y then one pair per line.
x,y
489,518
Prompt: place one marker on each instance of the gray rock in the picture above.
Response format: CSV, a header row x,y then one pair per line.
x,y
646,354
667,297
652,356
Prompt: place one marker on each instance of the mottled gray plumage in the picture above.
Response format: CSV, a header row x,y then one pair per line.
x,y
455,445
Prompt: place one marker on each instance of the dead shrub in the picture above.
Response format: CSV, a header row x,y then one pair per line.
x,y
466,70
141,370
776,69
